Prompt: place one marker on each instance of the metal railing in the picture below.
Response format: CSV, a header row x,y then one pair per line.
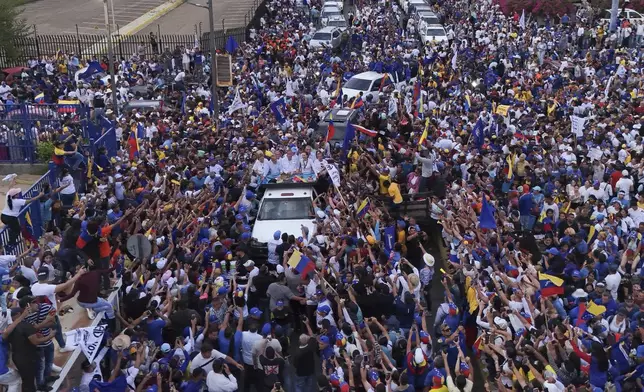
x,y
88,46
32,213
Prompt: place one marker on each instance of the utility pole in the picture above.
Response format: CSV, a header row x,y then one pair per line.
x,y
213,61
110,54
614,10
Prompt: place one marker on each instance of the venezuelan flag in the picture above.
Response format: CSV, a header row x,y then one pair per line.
x,y
357,102
423,137
591,310
28,229
364,207
510,160
467,104
301,263
550,285
592,235
40,98
68,106
330,131
502,110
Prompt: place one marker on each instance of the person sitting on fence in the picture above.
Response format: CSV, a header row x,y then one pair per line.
x,y
72,158
11,212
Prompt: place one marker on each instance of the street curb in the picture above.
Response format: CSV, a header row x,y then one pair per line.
x,y
138,24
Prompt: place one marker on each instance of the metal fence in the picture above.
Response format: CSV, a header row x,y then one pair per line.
x,y
107,140
89,46
22,126
30,217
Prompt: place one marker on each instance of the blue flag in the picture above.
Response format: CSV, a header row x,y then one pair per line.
x,y
349,135
279,109
118,385
231,45
93,67
486,219
390,238
140,131
477,133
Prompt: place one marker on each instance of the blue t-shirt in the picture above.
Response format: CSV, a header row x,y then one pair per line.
x,y
155,331
4,356
224,344
525,204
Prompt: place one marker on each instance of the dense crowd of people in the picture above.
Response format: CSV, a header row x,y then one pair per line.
x,y
523,138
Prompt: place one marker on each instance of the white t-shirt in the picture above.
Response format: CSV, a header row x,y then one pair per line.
x,y
7,260
17,205
46,290
205,363
29,273
69,189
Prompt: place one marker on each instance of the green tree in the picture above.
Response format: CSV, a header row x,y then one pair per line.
x,y
12,27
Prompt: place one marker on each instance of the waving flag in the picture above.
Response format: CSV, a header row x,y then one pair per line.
x,y
93,67
593,310
349,135
364,207
331,130
28,229
68,106
301,263
40,98
279,109
522,20
477,133
237,104
467,104
486,219
550,285
423,137
390,238
368,132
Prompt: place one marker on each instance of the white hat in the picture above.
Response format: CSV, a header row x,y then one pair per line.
x,y
249,263
428,259
500,322
121,342
580,293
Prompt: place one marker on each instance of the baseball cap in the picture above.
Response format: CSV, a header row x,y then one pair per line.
x,y
266,329
324,339
43,273
222,291
249,263
165,347
324,309
279,303
553,251
255,312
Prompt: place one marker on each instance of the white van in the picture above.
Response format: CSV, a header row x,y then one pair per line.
x,y
433,33
284,207
368,83
327,37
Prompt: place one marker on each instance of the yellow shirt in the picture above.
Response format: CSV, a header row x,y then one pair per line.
x,y
59,151
394,191
381,180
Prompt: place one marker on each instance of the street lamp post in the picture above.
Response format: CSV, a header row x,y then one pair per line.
x,y
110,54
213,61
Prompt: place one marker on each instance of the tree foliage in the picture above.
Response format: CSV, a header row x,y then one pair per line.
x,y
539,7
12,27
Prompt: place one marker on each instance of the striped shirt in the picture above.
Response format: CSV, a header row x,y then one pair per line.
x,y
38,317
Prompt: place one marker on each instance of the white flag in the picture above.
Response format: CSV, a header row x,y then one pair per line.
x,y
196,41
393,106
237,104
90,341
522,20
454,59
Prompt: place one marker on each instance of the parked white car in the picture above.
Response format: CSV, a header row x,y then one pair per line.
x,y
628,13
338,21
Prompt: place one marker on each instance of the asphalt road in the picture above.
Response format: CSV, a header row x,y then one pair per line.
x,y
189,16
62,16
